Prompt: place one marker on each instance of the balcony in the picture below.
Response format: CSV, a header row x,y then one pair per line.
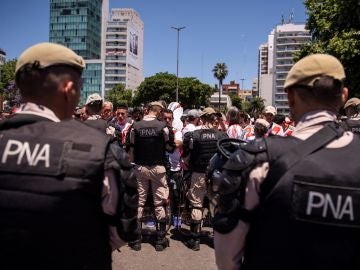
x,y
281,71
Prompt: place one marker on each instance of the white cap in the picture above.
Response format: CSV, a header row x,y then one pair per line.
x,y
92,98
270,109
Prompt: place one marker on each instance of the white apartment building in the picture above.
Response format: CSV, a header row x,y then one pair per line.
x,y
255,87
124,49
2,57
283,42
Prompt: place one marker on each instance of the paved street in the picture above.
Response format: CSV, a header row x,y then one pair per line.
x,y
177,256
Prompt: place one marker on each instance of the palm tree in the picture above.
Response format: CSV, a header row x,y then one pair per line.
x,y
220,71
256,106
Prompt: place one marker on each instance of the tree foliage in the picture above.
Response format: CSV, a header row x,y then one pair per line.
x,y
236,101
162,86
220,72
8,89
119,96
335,29
254,107
7,74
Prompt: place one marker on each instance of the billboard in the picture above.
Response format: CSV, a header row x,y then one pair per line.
x,y
133,41
134,47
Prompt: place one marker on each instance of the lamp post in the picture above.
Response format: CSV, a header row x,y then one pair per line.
x,y
178,29
242,83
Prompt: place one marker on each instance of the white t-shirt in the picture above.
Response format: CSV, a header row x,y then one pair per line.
x,y
189,127
175,157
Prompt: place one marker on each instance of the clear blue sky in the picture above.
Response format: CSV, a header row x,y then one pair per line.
x,y
227,31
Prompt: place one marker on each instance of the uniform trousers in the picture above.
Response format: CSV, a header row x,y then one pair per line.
x,y
156,175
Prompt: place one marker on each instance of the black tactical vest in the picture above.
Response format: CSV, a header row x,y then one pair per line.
x,y
310,219
351,125
204,147
99,124
149,148
50,196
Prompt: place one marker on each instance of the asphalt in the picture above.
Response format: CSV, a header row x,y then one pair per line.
x,y
177,256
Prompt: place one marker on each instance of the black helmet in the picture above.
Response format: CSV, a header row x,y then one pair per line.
x,y
220,180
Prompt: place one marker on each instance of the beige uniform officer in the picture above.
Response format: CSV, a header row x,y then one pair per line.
x,y
315,92
149,140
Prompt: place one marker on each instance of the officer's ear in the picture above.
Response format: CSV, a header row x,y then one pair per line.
x,y
344,95
291,96
68,88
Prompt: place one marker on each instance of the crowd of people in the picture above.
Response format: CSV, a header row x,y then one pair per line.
x,y
74,181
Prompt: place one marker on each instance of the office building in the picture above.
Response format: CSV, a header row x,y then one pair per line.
x,y
276,60
81,25
124,49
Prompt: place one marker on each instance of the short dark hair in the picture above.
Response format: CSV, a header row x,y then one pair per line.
x,y
34,81
167,111
326,91
279,119
234,116
94,108
122,106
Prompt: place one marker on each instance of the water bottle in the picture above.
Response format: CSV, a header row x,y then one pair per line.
x,y
179,222
175,221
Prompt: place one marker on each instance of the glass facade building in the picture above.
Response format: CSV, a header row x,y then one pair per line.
x,y
79,25
92,79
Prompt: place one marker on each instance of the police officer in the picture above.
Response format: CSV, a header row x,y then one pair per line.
x,y
291,203
198,147
352,110
61,185
149,141
93,107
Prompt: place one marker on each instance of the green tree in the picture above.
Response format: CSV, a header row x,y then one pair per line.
x,y
220,72
255,106
236,101
335,29
8,89
162,86
119,96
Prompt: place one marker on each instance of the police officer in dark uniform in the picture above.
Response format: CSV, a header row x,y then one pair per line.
x,y
61,184
93,107
352,110
198,147
150,138
292,203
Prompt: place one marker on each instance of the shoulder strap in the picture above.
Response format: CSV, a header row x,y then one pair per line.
x,y
286,161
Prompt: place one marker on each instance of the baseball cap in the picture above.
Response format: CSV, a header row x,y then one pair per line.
x,y
352,102
92,98
194,113
208,111
156,103
49,54
270,109
261,122
310,68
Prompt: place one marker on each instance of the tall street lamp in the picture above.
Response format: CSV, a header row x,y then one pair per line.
x,y
242,83
178,29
